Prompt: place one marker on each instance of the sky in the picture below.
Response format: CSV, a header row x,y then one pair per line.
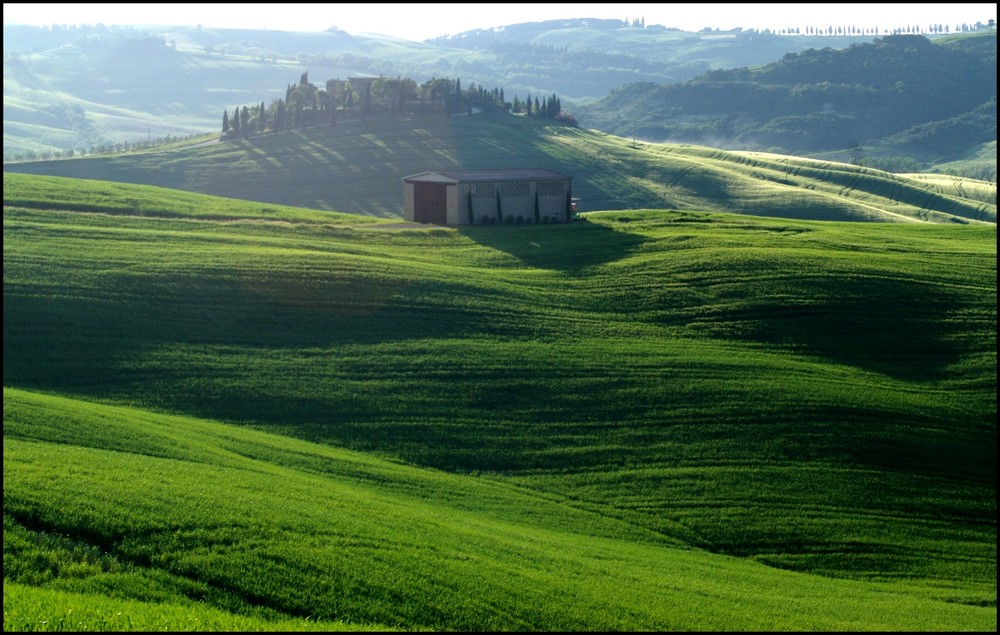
x,y
429,20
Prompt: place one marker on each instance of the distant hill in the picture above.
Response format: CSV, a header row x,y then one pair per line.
x,y
901,97
358,167
585,58
78,88
903,103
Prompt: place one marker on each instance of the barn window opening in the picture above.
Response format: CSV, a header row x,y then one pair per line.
x,y
551,188
482,190
514,189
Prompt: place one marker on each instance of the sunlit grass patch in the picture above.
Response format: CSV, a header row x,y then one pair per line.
x,y
33,609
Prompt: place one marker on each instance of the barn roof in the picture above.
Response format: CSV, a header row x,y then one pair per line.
x,y
468,176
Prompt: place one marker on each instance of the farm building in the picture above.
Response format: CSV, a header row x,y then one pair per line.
x,y
478,197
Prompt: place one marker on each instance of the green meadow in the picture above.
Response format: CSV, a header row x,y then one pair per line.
x,y
358,167
226,415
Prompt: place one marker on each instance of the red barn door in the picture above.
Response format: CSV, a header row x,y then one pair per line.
x,y
430,203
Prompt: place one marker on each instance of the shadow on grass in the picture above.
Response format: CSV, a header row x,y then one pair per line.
x,y
567,247
895,327
57,340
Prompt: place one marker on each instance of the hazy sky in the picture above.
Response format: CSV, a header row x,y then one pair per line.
x,y
429,20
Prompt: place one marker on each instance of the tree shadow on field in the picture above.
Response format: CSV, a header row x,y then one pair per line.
x,y
567,247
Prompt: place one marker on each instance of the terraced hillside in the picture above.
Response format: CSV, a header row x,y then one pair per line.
x,y
245,416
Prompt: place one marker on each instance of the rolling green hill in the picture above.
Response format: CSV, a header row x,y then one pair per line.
x,y
242,416
899,98
89,86
358,167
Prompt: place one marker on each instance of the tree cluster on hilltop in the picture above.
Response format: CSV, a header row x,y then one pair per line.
x,y
306,105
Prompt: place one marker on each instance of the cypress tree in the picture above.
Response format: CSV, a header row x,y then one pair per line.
x,y
499,208
468,198
538,218
279,116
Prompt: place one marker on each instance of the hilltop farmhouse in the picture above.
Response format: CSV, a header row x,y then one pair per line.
x,y
483,197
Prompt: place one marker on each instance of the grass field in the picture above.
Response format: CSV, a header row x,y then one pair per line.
x,y
253,417
358,167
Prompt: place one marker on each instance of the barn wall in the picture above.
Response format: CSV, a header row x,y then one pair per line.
x,y
552,199
408,201
452,206
517,199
